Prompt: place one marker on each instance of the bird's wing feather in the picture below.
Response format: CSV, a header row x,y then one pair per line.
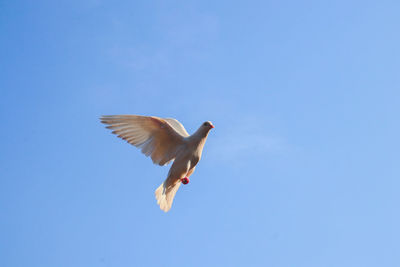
x,y
156,137
177,126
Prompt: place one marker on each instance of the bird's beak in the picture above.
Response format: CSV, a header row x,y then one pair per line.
x,y
212,126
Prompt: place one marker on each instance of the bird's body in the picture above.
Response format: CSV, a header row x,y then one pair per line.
x,y
165,140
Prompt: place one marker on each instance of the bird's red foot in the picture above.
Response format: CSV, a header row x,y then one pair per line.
x,y
185,180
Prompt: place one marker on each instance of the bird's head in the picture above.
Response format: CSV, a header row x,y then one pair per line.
x,y
204,129
208,125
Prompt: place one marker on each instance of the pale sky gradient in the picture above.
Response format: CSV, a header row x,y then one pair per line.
x,y
301,170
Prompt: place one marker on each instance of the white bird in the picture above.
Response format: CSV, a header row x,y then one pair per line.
x,y
164,140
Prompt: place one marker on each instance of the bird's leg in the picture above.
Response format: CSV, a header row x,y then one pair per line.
x,y
187,173
185,180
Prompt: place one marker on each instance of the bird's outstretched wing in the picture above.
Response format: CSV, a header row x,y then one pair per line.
x,y
156,137
177,126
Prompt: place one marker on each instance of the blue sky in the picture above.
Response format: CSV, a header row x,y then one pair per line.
x,y
302,168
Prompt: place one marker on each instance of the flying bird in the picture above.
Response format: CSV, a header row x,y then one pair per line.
x,y
164,140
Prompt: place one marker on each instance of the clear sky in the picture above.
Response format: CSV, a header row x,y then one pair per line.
x,y
301,170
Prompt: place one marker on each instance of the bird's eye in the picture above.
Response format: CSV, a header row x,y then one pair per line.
x,y
205,124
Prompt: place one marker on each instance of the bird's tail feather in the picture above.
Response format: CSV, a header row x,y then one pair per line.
x,y
165,194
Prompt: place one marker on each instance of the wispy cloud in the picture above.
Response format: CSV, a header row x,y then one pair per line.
x,y
248,138
177,37
241,145
244,145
